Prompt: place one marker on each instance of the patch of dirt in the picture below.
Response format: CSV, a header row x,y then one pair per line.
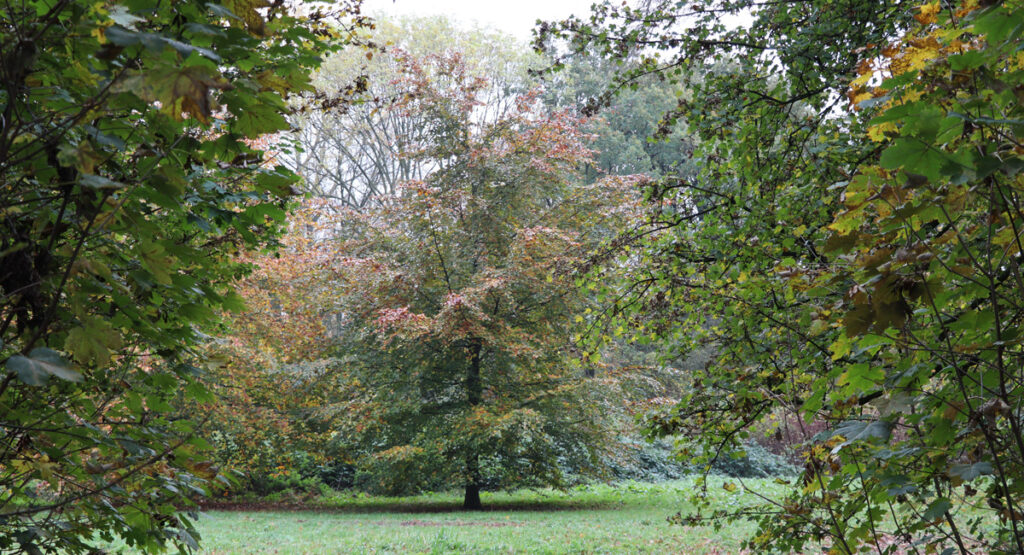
x,y
486,523
422,507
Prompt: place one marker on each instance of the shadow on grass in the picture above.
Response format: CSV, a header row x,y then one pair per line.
x,y
408,507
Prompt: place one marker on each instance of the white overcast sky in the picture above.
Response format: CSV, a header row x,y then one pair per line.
x,y
515,17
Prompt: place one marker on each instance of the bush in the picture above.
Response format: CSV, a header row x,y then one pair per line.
x,y
647,461
658,461
337,475
266,485
756,462
300,473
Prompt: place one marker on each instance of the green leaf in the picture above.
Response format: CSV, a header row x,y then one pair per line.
x,y
968,472
999,24
93,342
943,431
968,60
862,376
259,119
937,509
278,182
859,320
233,302
99,182
41,363
222,11
200,393
859,430
914,156
124,37
120,15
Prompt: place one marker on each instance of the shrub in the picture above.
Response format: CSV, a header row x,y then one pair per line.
x,y
269,485
755,462
647,461
659,460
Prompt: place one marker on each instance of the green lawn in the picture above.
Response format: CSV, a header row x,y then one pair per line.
x,y
628,518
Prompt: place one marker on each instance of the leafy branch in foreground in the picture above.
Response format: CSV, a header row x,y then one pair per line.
x,y
129,177
851,250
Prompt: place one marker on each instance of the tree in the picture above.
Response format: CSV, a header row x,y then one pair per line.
x,y
625,124
280,379
458,304
850,249
130,177
356,153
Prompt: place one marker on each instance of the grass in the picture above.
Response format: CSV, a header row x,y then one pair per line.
x,y
627,518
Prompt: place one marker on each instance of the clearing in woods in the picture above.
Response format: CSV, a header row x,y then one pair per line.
x,y
625,518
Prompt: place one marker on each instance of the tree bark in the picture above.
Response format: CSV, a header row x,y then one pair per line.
x,y
474,394
472,500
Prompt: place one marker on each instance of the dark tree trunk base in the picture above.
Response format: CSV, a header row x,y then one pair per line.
x,y
472,501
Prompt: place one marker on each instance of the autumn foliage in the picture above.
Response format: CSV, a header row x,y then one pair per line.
x,y
429,341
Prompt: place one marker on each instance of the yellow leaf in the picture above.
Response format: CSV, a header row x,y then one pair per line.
x,y
924,50
1006,236
818,327
928,13
246,12
270,80
861,97
846,221
877,132
861,81
840,348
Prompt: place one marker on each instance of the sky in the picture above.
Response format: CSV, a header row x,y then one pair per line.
x,y
515,17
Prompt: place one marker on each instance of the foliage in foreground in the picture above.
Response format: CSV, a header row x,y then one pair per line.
x,y
852,250
128,180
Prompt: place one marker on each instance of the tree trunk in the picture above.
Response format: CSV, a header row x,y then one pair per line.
x,y
474,394
472,500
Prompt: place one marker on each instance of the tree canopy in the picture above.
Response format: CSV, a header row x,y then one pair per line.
x,y
456,302
356,152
